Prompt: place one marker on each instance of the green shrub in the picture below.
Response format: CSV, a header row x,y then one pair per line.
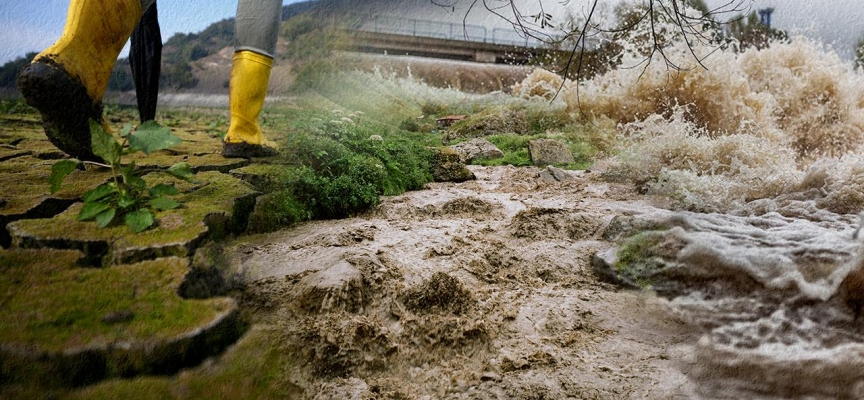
x,y
410,125
340,167
432,107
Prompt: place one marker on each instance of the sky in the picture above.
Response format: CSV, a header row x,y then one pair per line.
x,y
33,25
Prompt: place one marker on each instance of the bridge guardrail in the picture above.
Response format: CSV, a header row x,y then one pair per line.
x,y
439,30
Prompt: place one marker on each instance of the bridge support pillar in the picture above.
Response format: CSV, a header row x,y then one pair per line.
x,y
484,56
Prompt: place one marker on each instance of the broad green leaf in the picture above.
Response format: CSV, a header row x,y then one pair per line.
x,y
98,193
164,203
125,201
150,137
139,220
59,171
103,144
105,217
136,182
181,170
91,210
127,128
163,190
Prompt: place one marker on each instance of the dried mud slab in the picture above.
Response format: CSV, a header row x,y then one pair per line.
x,y
212,209
63,325
26,191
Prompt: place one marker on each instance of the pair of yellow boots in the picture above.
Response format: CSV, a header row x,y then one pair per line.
x,y
66,82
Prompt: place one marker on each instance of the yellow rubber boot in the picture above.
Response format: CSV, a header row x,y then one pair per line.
x,y
93,37
250,74
66,82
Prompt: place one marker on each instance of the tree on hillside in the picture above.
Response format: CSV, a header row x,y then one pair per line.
x,y
9,71
750,32
650,18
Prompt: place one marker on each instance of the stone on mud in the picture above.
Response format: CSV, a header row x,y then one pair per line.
x,y
623,226
552,174
447,167
477,149
549,151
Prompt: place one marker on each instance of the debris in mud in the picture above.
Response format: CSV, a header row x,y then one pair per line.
x,y
338,344
472,207
551,223
337,287
440,294
538,359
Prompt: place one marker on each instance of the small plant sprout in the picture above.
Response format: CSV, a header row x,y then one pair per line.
x,y
127,195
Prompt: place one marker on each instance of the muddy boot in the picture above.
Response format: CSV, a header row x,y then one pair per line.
x,y
67,80
250,73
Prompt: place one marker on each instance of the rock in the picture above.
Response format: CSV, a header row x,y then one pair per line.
x,y
477,149
549,151
552,174
447,167
547,177
623,226
559,174
603,265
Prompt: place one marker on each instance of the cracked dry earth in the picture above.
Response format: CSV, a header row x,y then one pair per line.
x,y
478,290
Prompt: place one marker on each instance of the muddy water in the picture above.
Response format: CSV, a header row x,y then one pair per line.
x,y
759,153
751,168
481,290
766,293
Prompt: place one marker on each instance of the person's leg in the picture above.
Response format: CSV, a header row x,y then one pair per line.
x,y
145,59
256,31
66,81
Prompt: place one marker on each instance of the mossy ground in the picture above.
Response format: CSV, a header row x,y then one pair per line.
x,y
252,369
53,305
176,233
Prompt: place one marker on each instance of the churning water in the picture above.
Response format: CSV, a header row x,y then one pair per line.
x,y
761,153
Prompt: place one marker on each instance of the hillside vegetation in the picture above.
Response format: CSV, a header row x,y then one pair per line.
x,y
180,53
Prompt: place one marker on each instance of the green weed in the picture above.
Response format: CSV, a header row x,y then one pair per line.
x,y
127,196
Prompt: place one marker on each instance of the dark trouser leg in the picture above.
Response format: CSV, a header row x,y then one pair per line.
x,y
145,58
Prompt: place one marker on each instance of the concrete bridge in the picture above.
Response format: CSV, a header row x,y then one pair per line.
x,y
426,38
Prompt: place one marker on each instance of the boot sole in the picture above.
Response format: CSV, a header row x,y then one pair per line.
x,y
64,105
246,150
